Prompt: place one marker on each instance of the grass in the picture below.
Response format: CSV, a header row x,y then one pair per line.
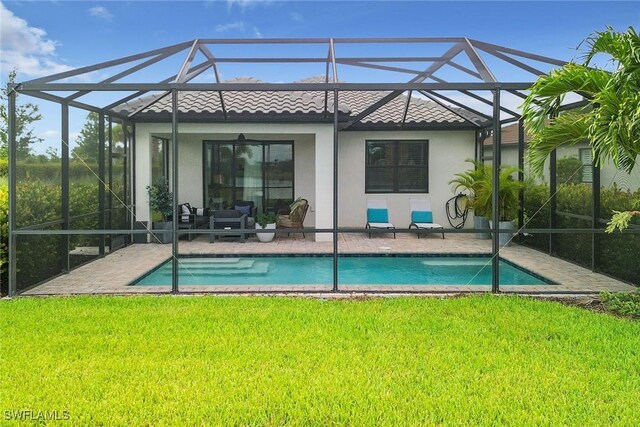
x,y
272,361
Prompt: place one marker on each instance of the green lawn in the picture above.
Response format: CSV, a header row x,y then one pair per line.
x,y
272,361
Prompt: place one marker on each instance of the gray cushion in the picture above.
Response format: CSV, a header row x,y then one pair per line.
x,y
231,213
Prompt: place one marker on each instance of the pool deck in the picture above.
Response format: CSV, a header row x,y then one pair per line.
x,y
113,273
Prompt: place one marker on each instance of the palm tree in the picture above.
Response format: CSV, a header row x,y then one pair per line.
x,y
610,122
473,181
479,182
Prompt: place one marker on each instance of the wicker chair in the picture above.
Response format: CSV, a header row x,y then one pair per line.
x,y
294,216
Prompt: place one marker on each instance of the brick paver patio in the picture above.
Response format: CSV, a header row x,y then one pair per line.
x,y
115,272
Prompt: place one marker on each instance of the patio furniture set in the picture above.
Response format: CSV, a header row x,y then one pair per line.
x,y
241,216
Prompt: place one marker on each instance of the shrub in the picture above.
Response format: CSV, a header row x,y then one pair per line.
x,y
4,231
617,253
623,304
569,170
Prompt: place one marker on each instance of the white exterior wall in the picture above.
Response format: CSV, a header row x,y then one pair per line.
x,y
448,151
313,148
313,164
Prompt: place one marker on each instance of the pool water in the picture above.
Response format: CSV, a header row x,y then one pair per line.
x,y
353,270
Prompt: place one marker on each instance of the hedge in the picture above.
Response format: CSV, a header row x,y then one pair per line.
x,y
40,257
4,231
617,253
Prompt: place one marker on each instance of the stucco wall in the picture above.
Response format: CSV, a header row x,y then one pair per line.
x,y
313,149
310,142
448,151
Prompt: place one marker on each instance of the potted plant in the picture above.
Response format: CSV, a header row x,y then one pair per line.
x,y
508,195
474,181
266,221
161,202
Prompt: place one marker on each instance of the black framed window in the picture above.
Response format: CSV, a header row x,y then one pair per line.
x,y
397,166
247,170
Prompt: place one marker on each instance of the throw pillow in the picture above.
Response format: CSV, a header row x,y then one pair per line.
x,y
243,209
186,211
297,202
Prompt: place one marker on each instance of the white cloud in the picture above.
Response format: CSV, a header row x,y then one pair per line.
x,y
101,12
26,48
49,134
247,4
239,27
295,16
232,26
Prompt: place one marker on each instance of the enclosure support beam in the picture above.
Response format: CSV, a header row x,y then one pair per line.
x,y
110,192
553,200
595,205
206,52
12,288
495,243
134,209
449,55
440,103
521,172
457,104
174,185
335,191
127,179
101,178
64,245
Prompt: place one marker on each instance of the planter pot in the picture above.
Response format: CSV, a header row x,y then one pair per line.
x,y
480,222
266,237
163,232
504,239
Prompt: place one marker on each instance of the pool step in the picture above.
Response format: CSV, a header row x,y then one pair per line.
x,y
210,261
241,268
200,266
456,262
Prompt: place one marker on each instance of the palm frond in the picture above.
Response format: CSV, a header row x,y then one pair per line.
x,y
566,129
611,121
623,48
548,92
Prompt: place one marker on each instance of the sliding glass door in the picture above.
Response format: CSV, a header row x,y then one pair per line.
x,y
256,171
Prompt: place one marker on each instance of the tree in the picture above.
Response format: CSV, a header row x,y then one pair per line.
x,y
87,142
26,115
610,121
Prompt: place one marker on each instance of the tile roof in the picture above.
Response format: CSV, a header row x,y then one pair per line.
x,y
508,136
299,104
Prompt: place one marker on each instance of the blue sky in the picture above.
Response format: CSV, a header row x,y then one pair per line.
x,y
43,37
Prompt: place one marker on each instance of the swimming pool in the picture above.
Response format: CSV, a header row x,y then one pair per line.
x,y
353,270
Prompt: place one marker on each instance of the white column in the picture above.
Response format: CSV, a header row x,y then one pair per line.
x,y
324,182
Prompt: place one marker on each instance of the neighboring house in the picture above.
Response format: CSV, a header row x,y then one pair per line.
x,y
271,147
609,174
